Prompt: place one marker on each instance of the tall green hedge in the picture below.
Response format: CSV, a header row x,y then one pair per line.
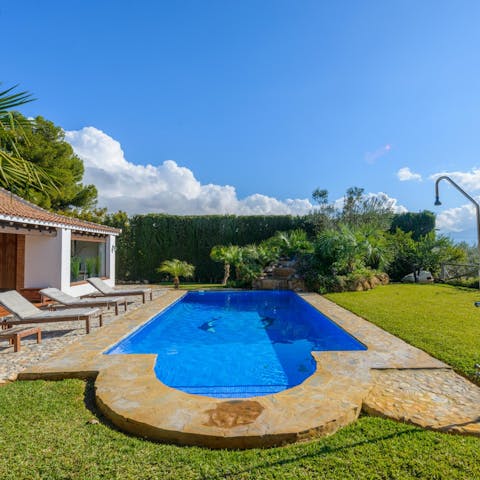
x,y
420,224
150,239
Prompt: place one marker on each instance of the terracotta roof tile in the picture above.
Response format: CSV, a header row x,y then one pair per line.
x,y
14,208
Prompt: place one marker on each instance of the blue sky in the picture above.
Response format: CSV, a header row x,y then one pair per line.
x,y
273,98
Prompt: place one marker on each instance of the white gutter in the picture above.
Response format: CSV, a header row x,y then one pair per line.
x,y
12,218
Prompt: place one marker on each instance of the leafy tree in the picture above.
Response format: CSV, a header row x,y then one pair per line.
x,y
320,196
419,224
352,202
432,251
471,252
176,268
428,253
358,210
16,171
118,219
44,146
403,249
324,215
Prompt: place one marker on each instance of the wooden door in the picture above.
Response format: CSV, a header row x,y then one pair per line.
x,y
12,261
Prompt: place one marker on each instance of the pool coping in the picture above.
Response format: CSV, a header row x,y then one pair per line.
x,y
130,395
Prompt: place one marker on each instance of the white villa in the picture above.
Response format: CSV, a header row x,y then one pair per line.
x,y
41,249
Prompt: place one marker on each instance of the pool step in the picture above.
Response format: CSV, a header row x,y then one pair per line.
x,y
234,391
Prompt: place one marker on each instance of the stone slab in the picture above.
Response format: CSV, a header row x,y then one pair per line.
x,y
436,399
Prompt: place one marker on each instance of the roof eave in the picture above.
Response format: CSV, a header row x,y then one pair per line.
x,y
13,218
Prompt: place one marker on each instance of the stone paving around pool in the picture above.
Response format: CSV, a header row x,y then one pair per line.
x,y
391,379
55,336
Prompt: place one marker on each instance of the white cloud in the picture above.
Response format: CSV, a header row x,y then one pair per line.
x,y
170,188
457,219
405,175
460,221
167,188
468,180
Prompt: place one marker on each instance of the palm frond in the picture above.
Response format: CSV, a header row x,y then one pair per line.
x,y
16,173
7,102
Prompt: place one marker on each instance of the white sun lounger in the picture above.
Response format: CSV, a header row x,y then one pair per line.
x,y
107,290
27,313
69,301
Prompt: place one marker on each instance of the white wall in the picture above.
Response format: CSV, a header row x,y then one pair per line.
x,y
65,258
47,263
43,261
110,260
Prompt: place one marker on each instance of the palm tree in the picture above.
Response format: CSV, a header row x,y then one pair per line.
x,y
15,172
340,250
267,253
229,255
292,243
177,268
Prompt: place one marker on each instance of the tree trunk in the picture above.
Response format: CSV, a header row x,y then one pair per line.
x,y
176,282
226,274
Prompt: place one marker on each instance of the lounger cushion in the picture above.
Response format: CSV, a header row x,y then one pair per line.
x,y
65,299
106,289
70,313
17,304
24,310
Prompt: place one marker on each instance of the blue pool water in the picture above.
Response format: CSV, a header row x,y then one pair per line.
x,y
237,344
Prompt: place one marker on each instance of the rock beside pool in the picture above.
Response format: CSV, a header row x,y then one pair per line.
x,y
361,283
423,277
282,276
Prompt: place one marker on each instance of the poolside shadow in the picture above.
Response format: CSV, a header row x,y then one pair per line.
x,y
46,334
91,405
474,421
322,451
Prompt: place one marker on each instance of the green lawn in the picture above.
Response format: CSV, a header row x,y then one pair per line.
x,y
439,319
45,431
45,434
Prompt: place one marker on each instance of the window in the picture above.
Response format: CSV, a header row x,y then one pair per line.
x,y
88,259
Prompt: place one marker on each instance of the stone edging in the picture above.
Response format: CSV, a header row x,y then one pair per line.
x,y
130,395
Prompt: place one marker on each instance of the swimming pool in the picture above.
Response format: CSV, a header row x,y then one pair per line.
x,y
236,344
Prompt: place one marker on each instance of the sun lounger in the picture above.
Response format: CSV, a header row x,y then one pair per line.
x,y
107,290
14,335
27,313
69,301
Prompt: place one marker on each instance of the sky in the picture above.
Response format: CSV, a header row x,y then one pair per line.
x,y
194,107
